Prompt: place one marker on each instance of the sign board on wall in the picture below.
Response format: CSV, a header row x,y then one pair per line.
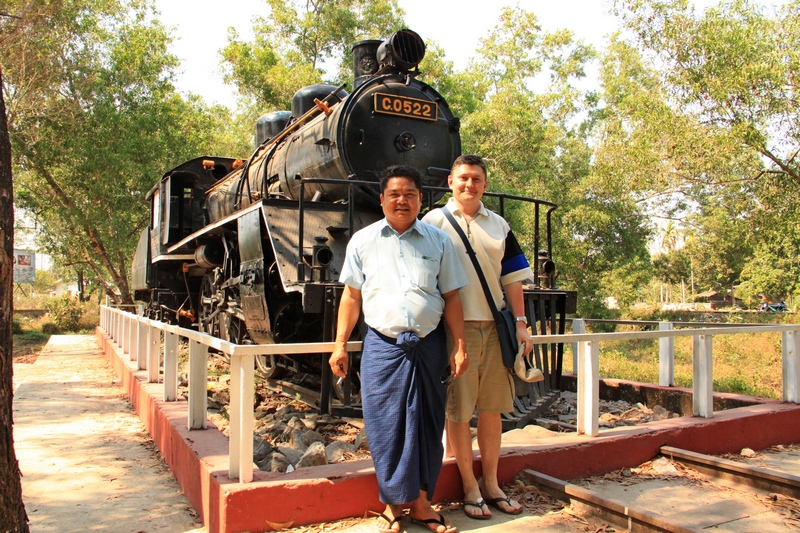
x,y
24,266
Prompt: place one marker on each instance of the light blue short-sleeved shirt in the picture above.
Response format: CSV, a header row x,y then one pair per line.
x,y
402,277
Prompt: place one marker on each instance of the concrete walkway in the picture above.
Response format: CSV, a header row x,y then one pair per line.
x,y
87,462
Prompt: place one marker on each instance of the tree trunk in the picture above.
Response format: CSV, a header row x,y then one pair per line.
x,y
79,274
13,518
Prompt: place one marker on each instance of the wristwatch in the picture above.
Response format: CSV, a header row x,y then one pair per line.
x,y
522,319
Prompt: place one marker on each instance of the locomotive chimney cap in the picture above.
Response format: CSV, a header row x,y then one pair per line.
x,y
405,49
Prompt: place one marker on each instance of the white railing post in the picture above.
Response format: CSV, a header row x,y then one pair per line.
x,y
131,334
791,366
588,371
125,339
578,327
170,366
134,346
666,357
198,384
241,418
141,343
117,328
153,353
702,376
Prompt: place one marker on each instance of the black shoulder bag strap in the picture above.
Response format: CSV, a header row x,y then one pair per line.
x,y
474,259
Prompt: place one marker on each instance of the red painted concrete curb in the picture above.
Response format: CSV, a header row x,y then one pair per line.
x,y
199,458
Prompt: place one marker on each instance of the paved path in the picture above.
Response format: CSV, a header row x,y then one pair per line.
x,y
87,461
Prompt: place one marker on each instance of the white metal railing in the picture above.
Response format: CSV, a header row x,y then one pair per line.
x,y
141,338
586,362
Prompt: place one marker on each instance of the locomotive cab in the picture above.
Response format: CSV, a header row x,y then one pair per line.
x,y
177,200
176,212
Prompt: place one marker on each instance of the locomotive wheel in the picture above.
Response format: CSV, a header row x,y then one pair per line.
x,y
268,366
288,325
235,330
206,305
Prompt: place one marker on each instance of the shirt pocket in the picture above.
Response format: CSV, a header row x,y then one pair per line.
x,y
426,273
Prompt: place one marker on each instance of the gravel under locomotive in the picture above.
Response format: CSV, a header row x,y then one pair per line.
x,y
250,251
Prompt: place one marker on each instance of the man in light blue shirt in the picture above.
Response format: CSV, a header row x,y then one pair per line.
x,y
405,276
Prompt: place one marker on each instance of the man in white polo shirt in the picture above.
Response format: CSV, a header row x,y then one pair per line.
x,y
487,385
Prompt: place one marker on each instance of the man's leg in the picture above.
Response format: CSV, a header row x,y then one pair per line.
x,y
490,432
460,438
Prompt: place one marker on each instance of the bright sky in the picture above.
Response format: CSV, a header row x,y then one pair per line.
x,y
456,25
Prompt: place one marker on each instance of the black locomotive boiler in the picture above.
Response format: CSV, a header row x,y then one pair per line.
x,y
251,250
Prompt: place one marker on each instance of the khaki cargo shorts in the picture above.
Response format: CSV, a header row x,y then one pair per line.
x,y
487,385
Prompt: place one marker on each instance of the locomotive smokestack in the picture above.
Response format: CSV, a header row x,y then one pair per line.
x,y
405,49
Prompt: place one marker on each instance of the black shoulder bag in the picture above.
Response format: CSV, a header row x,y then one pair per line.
x,y
504,318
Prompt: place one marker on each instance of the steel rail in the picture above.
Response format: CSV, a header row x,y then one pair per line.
x,y
742,474
636,519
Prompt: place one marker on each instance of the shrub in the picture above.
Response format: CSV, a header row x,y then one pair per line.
x,y
66,313
49,328
16,327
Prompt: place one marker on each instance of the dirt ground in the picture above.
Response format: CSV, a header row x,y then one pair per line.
x,y
87,462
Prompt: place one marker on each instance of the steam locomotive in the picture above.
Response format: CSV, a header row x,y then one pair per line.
x,y
250,250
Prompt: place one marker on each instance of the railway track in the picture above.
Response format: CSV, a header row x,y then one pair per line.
x,y
692,493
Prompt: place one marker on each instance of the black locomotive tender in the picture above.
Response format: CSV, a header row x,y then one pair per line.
x,y
250,251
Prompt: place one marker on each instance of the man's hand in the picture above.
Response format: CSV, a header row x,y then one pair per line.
x,y
458,359
339,360
524,338
349,308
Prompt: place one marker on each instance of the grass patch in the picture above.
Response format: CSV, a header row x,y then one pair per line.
x,y
28,344
745,363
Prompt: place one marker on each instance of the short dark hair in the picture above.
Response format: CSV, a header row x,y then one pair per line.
x,y
469,159
400,171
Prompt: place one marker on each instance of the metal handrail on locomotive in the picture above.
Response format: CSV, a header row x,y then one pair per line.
x,y
250,250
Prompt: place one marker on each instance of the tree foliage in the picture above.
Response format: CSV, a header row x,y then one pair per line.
x,y
533,124
299,42
94,121
700,124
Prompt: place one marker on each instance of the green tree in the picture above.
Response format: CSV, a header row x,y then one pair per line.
x,y
719,247
298,42
95,121
734,68
701,123
536,137
673,267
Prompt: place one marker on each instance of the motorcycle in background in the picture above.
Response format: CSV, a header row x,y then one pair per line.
x,y
779,307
